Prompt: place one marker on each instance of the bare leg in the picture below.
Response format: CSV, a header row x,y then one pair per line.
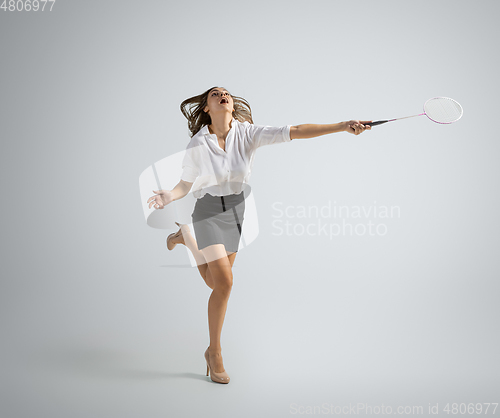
x,y
207,275
221,272
188,240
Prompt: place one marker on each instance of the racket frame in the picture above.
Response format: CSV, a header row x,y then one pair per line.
x,y
380,122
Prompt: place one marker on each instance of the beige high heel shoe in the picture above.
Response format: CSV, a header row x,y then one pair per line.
x,y
171,245
222,377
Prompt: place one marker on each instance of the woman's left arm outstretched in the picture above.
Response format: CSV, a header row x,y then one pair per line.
x,y
310,130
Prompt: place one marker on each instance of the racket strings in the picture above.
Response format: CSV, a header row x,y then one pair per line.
x,y
443,110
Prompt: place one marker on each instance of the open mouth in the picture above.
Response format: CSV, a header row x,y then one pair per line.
x,y
224,101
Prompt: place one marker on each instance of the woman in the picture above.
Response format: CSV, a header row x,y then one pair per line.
x,y
218,161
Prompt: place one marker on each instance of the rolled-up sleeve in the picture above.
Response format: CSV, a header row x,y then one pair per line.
x,y
268,135
190,164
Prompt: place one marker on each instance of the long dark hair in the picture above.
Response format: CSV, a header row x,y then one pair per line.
x,y
192,109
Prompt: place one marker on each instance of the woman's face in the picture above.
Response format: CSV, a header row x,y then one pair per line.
x,y
219,101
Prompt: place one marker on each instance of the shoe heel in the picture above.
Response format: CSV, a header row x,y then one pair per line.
x,y
216,377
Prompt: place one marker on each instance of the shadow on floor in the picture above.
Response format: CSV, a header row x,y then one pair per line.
x,y
98,363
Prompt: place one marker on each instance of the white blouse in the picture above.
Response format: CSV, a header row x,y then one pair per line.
x,y
219,172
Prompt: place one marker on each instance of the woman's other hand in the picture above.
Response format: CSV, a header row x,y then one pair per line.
x,y
357,126
162,199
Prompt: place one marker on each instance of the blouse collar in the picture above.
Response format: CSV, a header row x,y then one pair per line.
x,y
205,131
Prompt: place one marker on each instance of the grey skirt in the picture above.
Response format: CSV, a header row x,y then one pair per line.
x,y
218,220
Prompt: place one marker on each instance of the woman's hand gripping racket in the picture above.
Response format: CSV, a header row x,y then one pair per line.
x,y
437,109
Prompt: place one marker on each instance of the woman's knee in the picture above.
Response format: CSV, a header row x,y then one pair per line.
x,y
225,284
222,279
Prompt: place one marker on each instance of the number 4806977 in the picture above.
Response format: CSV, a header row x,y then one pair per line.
x,y
26,5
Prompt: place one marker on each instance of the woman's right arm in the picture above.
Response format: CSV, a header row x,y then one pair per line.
x,y
181,189
164,197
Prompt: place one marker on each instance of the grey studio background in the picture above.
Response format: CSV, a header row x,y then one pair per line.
x,y
98,319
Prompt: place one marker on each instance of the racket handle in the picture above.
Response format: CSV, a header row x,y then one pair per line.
x,y
379,122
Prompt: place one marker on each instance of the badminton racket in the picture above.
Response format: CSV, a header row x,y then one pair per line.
x,y
438,109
